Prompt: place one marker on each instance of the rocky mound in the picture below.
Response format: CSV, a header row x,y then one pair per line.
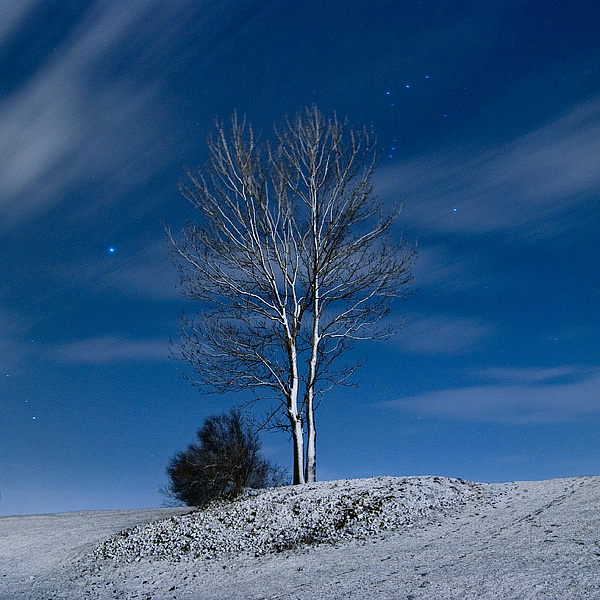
x,y
277,519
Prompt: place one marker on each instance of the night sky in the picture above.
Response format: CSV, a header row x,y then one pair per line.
x,y
488,118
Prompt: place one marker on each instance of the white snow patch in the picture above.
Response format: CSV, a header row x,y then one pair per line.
x,y
273,520
416,538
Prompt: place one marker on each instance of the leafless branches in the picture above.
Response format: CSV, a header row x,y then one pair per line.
x,y
292,261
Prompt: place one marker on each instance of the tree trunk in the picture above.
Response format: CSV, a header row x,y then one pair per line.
x,y
294,417
311,442
298,440
309,398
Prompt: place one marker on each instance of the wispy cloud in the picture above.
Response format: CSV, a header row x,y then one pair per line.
x,y
12,12
14,345
514,396
531,376
520,188
148,274
111,350
141,270
442,334
61,128
442,268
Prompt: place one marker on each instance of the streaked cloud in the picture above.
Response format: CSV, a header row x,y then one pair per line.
x,y
110,350
148,274
525,188
61,129
442,334
531,376
12,12
441,268
141,270
14,345
521,397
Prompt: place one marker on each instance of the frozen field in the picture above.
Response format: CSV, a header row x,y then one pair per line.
x,y
379,538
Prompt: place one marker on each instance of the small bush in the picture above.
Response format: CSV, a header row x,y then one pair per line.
x,y
226,460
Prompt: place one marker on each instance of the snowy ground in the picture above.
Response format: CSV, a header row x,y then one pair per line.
x,y
380,538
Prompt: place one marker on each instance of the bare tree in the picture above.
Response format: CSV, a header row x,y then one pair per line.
x,y
293,262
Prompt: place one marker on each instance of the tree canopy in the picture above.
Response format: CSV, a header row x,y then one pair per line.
x,y
293,261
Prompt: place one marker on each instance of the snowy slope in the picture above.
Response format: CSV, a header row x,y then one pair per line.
x,y
425,537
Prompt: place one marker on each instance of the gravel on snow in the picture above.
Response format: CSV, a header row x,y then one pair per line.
x,y
384,537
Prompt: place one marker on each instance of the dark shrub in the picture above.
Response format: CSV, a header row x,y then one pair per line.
x,y
226,460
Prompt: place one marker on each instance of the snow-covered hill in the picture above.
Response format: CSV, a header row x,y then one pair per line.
x,y
291,517
385,537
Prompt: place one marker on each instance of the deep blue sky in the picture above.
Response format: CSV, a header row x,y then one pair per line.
x,y
488,112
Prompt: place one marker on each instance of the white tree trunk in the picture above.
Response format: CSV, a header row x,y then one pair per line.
x,y
296,423
295,418
311,443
